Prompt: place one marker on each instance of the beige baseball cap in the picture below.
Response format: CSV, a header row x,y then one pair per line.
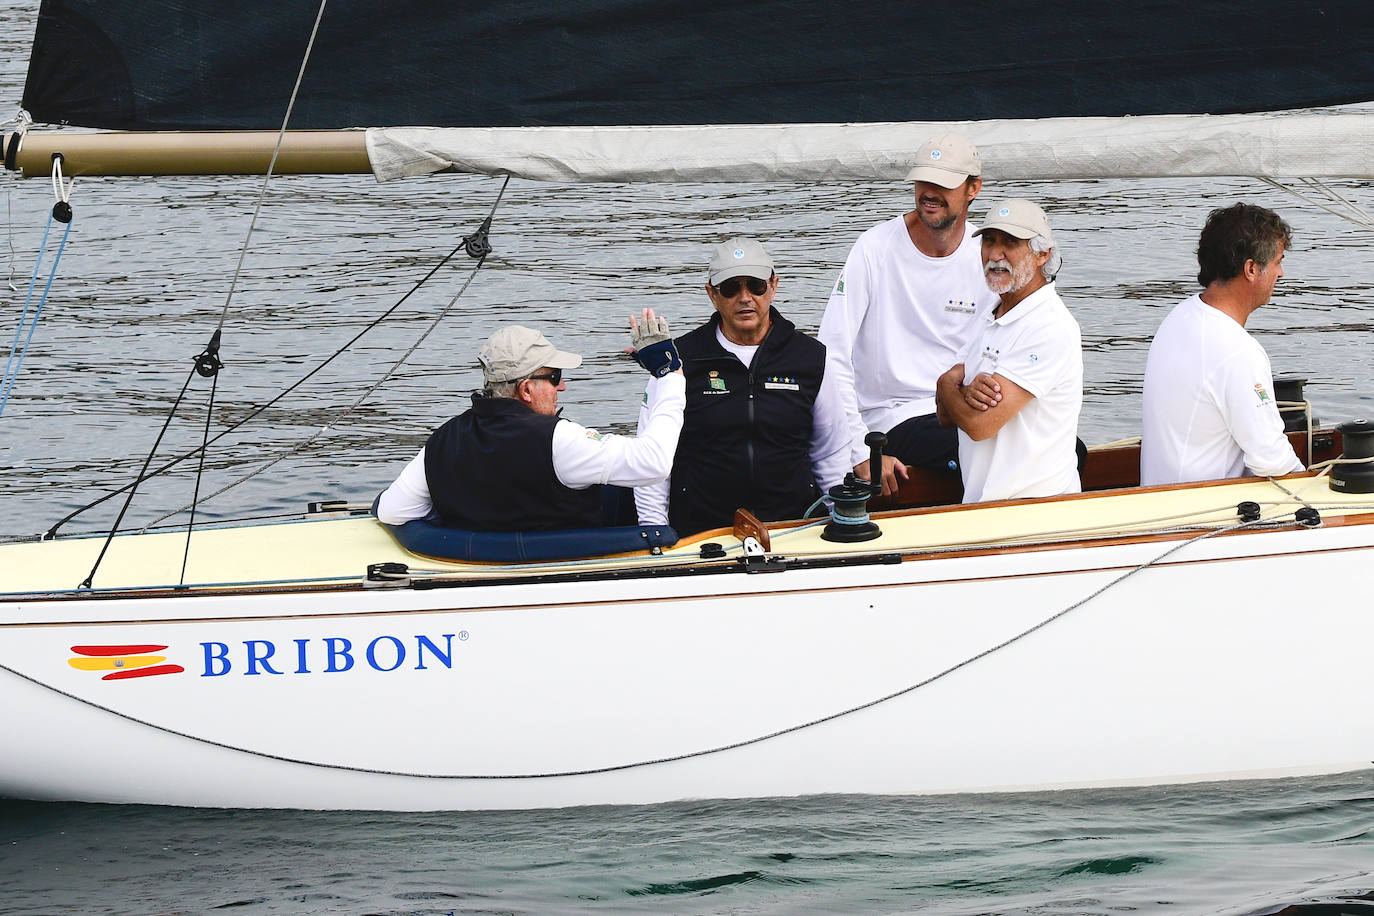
x,y
947,160
1018,217
739,257
514,352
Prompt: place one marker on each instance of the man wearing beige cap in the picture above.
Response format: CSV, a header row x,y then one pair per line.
x,y
906,303
764,428
1016,391
509,463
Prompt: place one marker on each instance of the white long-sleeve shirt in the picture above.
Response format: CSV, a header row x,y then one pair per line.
x,y
582,457
1208,409
896,320
828,450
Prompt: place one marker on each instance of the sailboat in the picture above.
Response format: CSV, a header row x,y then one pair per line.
x,y
1126,635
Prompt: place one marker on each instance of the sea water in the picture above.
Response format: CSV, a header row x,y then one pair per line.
x,y
148,274
1301,846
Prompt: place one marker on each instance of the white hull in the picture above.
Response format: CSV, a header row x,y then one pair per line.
x,y
1235,656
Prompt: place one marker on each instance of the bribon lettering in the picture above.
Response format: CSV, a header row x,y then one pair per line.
x,y
329,655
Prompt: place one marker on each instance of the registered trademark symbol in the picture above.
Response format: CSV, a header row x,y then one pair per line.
x,y
462,635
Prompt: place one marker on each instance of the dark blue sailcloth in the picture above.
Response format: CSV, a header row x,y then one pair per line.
x,y
191,64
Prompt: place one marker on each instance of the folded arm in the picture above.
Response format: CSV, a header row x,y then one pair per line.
x,y
964,406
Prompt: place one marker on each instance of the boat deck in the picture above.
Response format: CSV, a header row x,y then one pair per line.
x,y
330,552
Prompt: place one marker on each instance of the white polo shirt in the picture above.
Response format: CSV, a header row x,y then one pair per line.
x,y
1208,410
1036,345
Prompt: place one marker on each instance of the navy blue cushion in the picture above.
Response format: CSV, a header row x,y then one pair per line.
x,y
428,539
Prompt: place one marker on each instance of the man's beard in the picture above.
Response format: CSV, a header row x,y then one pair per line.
x,y
939,224
1015,278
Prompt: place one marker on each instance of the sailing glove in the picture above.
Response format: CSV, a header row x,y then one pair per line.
x,y
653,346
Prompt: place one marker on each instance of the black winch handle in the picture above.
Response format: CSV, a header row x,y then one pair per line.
x,y
876,442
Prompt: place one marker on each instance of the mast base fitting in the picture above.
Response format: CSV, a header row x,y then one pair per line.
x,y
1357,445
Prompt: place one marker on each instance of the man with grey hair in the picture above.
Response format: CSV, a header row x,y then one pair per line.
x,y
1017,390
509,463
906,303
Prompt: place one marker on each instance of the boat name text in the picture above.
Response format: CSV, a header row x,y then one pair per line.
x,y
329,655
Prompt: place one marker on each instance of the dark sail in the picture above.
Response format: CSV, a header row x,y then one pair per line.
x,y
191,64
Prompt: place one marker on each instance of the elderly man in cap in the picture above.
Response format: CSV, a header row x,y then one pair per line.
x,y
904,306
509,463
764,428
1209,409
1017,389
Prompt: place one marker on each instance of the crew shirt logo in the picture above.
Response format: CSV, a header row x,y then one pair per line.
x,y
715,384
781,383
1261,393
960,306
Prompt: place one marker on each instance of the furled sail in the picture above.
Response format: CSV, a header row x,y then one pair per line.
x,y
1281,146
172,64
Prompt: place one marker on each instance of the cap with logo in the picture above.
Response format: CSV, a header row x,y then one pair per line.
x,y
739,257
947,160
514,352
1018,217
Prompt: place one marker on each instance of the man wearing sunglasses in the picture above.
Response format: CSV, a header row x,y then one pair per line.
x,y
910,296
763,429
509,463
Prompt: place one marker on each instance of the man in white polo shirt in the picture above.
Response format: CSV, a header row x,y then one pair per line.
x,y
905,304
1208,409
1017,389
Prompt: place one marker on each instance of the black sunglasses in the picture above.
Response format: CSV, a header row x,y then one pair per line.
x,y
554,377
730,288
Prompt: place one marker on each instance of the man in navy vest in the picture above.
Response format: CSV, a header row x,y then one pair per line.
x,y
764,429
509,463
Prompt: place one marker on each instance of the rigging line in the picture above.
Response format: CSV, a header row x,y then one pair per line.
x,y
133,488
52,532
1331,193
16,357
472,275
271,165
612,768
1360,218
1295,496
200,469
9,224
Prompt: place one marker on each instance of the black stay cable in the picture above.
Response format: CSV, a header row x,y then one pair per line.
x,y
207,366
142,476
475,242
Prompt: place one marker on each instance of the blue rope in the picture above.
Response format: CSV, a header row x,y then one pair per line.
x,y
17,352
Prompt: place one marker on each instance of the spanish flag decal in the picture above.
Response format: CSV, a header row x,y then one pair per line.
x,y
122,661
